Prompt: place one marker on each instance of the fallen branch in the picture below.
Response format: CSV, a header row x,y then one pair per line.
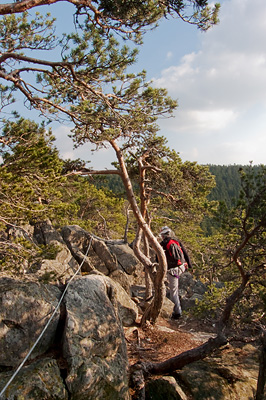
x,y
141,370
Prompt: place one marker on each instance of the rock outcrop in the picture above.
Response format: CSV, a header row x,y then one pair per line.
x,y
40,380
74,246
25,308
231,374
191,291
82,353
84,347
94,347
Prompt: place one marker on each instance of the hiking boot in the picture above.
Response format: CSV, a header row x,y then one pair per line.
x,y
175,316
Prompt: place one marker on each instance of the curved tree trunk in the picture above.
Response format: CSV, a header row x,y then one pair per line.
x,y
145,260
144,201
148,285
153,311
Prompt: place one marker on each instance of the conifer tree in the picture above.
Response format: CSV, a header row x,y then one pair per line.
x,y
91,87
129,18
30,172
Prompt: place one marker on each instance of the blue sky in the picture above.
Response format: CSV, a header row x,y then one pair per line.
x,y
221,87
218,77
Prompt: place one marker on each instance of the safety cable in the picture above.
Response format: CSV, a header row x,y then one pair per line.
x,y
47,324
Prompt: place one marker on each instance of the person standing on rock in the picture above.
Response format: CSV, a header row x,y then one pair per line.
x,y
177,262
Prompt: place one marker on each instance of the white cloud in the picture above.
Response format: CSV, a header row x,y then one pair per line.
x,y
222,153
221,88
208,120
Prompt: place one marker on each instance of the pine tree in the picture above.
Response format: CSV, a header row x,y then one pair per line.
x,y
30,173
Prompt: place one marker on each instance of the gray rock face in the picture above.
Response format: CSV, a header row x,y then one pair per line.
x,y
40,380
78,241
64,265
123,280
93,352
191,291
25,308
58,270
126,259
231,374
164,388
89,332
75,236
93,342
45,233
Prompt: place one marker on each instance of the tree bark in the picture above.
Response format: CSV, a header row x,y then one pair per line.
x,y
146,262
144,201
185,358
24,5
154,310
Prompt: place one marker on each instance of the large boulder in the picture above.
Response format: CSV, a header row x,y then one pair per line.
x,y
123,279
191,291
162,388
75,236
59,268
231,373
125,256
127,263
126,308
87,340
79,242
44,233
93,344
40,380
25,309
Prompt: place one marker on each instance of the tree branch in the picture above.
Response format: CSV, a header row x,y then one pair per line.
x,y
24,5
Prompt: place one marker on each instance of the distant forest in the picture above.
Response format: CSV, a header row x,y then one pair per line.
x,y
227,183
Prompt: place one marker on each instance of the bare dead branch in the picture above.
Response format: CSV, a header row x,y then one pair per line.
x,y
104,223
169,196
85,171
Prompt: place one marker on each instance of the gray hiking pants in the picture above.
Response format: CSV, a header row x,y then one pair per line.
x,y
173,280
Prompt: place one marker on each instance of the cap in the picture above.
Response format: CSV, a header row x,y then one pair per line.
x,y
164,230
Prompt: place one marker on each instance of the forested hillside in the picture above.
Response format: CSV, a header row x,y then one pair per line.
x,y
227,180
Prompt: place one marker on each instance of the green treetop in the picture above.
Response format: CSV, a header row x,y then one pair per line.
x,y
129,18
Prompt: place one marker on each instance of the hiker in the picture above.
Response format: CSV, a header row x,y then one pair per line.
x,y
177,262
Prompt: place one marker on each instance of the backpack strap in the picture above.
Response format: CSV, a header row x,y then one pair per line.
x,y
181,258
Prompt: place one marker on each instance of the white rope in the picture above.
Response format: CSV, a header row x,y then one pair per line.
x,y
47,324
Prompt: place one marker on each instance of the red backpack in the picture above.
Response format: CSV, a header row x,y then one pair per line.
x,y
179,255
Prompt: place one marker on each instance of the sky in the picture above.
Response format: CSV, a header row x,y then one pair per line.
x,y
221,88
218,78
